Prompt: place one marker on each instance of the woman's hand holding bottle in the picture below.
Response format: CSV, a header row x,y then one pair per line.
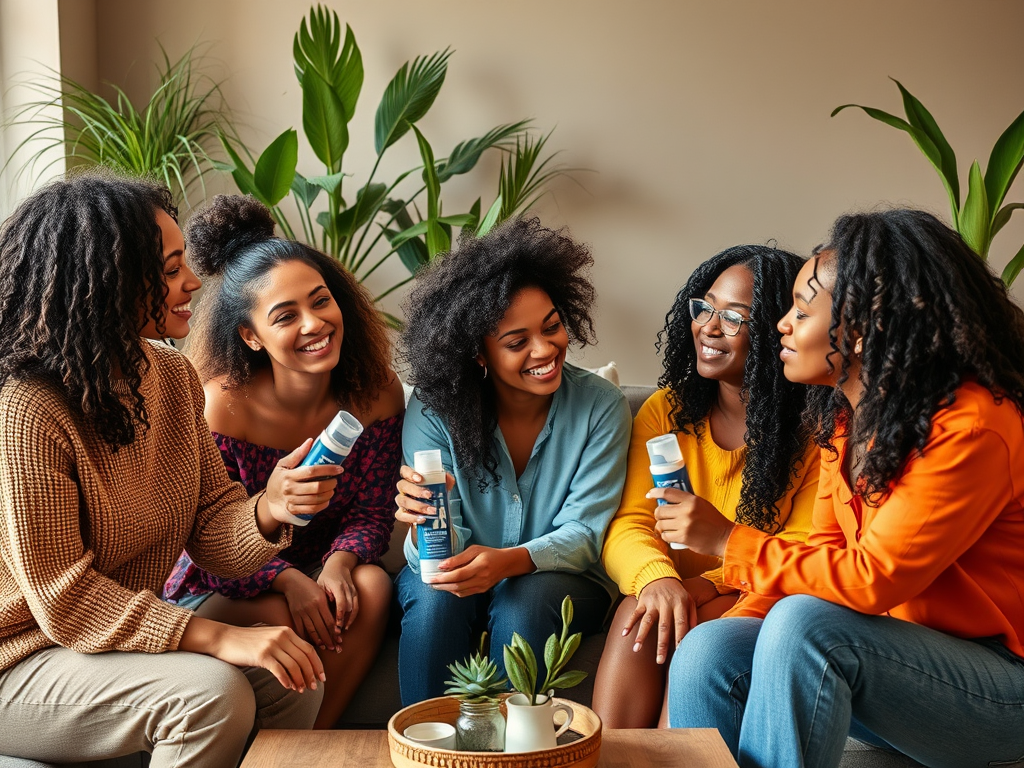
x,y
413,499
293,490
690,520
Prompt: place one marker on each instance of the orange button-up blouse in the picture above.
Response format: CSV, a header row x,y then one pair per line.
x,y
945,549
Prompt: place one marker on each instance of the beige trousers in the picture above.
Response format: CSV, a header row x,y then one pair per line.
x,y
186,709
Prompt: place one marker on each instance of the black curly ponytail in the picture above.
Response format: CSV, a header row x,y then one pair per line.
x,y
81,267
774,438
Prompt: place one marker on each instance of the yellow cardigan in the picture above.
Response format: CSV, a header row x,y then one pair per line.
x,y
634,554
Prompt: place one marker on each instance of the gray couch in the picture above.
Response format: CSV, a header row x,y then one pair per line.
x,y
378,699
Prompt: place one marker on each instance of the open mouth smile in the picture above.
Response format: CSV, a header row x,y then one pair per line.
x,y
317,346
542,370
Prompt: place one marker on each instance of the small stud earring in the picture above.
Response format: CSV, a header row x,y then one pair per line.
x,y
858,347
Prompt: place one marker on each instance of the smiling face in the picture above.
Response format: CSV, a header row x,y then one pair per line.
x,y
296,320
179,283
806,347
527,352
722,357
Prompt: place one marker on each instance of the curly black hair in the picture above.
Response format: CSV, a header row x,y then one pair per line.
x,y
231,239
81,268
462,297
931,313
775,439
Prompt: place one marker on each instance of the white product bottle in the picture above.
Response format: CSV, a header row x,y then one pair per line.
x,y
668,468
434,537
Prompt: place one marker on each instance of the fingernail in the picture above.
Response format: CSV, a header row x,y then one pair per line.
x,y
301,690
420,520
321,647
625,632
636,647
312,686
417,478
661,659
323,677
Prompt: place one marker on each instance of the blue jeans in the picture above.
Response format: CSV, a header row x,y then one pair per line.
x,y
437,626
786,691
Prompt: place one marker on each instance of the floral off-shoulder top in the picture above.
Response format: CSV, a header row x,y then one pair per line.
x,y
359,518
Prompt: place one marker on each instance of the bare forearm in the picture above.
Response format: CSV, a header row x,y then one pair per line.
x,y
266,522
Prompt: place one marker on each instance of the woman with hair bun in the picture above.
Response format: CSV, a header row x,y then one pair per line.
x,y
535,450
284,338
900,620
108,470
737,421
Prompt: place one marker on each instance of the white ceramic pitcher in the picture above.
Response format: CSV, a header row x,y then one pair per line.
x,y
530,728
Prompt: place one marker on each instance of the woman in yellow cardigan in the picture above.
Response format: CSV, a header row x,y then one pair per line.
x,y
737,420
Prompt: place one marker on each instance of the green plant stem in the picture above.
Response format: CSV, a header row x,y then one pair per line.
x,y
348,243
395,287
369,250
380,261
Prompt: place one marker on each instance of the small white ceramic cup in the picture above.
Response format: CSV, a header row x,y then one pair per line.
x,y
433,735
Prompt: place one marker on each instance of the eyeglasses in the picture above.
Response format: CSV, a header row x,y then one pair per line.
x,y
729,321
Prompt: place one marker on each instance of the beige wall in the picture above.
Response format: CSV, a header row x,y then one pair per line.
x,y
707,122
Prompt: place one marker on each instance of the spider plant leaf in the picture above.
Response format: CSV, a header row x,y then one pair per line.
x,y
975,219
1002,217
324,121
368,202
1004,163
275,170
923,142
466,153
491,218
408,97
1013,268
304,190
922,119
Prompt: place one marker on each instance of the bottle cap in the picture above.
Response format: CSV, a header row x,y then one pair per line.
x,y
664,450
345,429
427,462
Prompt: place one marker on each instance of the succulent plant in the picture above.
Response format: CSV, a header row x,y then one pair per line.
x,y
478,679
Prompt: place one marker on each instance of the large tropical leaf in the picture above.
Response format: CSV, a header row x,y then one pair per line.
x,y
1013,269
409,97
1004,163
323,120
524,175
316,48
466,153
430,178
368,202
921,118
923,142
975,219
242,175
275,170
1002,216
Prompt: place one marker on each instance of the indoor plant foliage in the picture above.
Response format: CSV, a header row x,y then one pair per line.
x,y
350,223
478,684
169,138
983,212
521,661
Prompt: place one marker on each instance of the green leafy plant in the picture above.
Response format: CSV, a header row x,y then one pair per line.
x,y
983,213
364,229
478,679
521,661
169,138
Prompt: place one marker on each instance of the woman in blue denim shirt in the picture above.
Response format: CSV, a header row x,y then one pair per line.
x,y
535,450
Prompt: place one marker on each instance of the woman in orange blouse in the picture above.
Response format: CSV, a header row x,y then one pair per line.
x,y
901,620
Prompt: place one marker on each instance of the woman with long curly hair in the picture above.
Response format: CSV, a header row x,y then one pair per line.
x,y
107,471
737,421
535,449
283,339
900,621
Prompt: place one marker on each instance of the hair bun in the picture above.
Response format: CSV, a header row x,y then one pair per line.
x,y
223,227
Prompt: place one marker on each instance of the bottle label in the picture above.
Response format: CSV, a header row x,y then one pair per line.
x,y
679,479
434,536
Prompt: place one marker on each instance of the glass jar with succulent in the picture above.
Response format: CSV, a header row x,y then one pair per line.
x,y
478,684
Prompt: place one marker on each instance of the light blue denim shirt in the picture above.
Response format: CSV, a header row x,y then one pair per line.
x,y
561,505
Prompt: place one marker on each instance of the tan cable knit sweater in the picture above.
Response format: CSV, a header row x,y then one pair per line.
x,y
88,535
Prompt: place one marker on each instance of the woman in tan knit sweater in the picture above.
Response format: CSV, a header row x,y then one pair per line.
x,y
108,471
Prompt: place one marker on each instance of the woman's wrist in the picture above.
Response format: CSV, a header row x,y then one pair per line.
x,y
201,636
342,559
265,521
518,562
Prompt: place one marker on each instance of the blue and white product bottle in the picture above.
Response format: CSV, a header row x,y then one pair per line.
x,y
668,468
332,447
434,537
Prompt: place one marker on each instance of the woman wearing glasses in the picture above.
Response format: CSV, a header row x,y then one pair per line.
x,y
737,420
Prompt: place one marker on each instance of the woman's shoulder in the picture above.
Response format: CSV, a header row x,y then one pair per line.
x,y
975,408
589,384
227,408
390,402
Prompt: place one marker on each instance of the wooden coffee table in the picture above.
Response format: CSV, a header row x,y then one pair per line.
x,y
671,748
